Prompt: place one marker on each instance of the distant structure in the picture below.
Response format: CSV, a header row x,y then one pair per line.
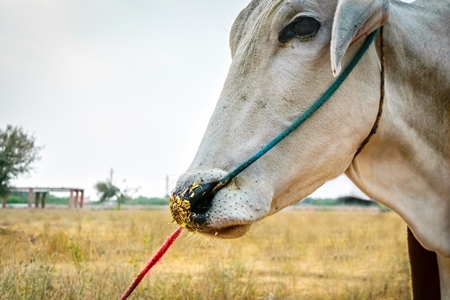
x,y
76,198
349,200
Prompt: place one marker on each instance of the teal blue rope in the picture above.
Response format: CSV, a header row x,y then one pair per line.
x,y
328,93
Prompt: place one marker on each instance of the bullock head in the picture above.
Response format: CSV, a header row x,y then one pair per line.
x,y
281,52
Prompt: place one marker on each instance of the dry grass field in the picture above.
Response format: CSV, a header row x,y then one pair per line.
x,y
62,254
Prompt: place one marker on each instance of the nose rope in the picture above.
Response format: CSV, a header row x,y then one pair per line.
x,y
308,113
382,93
187,208
225,180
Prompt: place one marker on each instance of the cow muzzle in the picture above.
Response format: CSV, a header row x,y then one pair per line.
x,y
190,206
202,203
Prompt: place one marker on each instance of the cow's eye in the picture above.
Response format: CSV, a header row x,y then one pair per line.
x,y
302,28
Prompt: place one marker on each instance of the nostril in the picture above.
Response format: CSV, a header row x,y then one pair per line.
x,y
200,218
200,196
189,207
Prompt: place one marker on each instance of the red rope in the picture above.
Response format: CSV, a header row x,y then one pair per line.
x,y
152,261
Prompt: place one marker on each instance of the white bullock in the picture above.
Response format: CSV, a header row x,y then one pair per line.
x,y
281,52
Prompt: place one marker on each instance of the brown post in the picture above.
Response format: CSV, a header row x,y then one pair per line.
x,y
76,198
71,199
82,199
36,200
4,202
30,197
44,195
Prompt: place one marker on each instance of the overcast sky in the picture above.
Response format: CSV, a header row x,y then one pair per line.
x,y
128,85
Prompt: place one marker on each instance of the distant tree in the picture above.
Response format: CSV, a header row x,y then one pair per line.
x,y
107,190
18,152
125,194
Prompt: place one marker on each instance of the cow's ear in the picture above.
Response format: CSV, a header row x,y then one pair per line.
x,y
353,21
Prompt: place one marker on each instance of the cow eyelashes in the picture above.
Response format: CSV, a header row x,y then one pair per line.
x,y
303,28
